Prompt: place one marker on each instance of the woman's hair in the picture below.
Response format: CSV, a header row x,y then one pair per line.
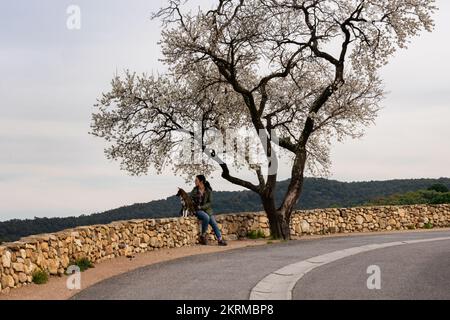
x,y
205,183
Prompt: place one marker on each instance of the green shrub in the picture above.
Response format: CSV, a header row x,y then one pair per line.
x,y
428,225
256,234
252,234
83,264
40,277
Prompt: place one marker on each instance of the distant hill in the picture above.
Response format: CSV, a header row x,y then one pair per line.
x,y
318,193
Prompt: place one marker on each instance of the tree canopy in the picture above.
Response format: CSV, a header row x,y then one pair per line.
x,y
296,73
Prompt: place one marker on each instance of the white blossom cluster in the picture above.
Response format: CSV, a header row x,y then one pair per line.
x,y
303,71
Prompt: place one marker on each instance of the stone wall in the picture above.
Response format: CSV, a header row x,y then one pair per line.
x,y
53,253
369,219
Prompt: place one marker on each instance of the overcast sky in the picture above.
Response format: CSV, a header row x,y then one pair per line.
x,y
51,77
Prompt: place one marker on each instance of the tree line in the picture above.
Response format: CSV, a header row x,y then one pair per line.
x,y
318,193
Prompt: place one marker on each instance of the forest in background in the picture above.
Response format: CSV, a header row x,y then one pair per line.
x,y
317,193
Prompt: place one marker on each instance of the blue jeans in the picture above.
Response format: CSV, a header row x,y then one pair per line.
x,y
208,220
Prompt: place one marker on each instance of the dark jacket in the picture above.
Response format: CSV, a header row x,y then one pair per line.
x,y
204,204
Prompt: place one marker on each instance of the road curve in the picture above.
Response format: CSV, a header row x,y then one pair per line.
x,y
419,271
411,271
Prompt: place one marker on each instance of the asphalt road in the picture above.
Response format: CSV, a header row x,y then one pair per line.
x,y
410,271
414,271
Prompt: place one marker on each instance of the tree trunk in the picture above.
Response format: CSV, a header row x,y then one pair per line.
x,y
278,220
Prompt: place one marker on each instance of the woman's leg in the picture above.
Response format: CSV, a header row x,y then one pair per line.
x,y
213,223
204,217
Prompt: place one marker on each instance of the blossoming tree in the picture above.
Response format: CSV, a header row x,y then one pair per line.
x,y
296,72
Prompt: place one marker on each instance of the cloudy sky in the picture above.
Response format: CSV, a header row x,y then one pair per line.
x,y
51,77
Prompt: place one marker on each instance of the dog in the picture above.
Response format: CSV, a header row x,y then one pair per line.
x,y
187,205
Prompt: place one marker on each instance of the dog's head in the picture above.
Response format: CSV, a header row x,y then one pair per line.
x,y
180,192
182,195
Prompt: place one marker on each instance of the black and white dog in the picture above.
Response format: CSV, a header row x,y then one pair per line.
x,y
187,205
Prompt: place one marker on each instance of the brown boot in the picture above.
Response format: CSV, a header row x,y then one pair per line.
x,y
203,240
222,242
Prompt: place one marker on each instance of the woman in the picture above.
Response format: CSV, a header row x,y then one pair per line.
x,y
202,197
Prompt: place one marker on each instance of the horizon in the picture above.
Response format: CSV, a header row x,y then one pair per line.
x,y
51,167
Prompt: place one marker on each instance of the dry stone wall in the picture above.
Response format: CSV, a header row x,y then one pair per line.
x,y
53,253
